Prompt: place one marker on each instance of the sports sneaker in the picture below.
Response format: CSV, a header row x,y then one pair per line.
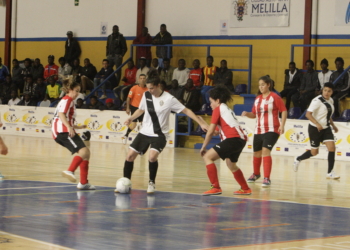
x,y
151,188
332,175
243,192
296,164
69,175
124,139
253,178
1,177
266,183
213,191
86,186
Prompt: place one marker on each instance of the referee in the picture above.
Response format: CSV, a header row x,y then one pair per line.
x,y
320,114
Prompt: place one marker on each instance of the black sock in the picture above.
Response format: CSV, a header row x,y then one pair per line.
x,y
153,168
331,159
128,167
128,132
305,156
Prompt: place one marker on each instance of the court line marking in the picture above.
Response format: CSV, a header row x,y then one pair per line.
x,y
72,192
39,241
180,192
271,243
239,228
36,187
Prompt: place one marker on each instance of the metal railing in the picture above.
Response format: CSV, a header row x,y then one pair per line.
x,y
208,46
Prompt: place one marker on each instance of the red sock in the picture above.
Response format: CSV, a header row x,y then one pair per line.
x,y
75,163
267,163
256,165
213,175
240,179
84,169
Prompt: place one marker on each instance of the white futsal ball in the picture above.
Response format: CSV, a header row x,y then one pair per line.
x,y
123,185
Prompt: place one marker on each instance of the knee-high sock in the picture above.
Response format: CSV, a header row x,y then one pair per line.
x,y
213,175
331,159
305,156
256,165
84,169
240,179
128,132
75,163
153,168
267,163
128,168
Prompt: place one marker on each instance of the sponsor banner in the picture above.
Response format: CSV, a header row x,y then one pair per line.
x,y
342,13
295,139
259,13
105,126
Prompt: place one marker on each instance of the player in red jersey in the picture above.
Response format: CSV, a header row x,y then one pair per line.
x,y
232,142
64,134
266,109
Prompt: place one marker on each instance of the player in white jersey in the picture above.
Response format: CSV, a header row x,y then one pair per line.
x,y
320,114
3,150
156,106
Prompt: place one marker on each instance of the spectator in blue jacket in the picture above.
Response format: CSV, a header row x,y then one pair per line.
x,y
4,71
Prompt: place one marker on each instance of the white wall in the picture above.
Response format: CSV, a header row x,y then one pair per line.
x,y
43,18
202,18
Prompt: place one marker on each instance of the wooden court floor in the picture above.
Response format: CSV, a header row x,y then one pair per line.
x,y
181,171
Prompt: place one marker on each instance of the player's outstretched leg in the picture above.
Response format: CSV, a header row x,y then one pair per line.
x,y
239,177
84,184
209,158
129,165
300,158
331,159
69,174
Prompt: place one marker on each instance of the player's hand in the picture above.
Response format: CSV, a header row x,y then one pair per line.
x,y
204,127
319,127
71,132
244,113
81,127
0,124
335,129
203,151
127,122
127,111
3,149
281,130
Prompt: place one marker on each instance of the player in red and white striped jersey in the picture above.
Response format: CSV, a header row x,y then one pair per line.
x,y
232,142
267,107
64,134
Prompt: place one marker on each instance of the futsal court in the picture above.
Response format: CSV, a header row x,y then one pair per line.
x,y
41,210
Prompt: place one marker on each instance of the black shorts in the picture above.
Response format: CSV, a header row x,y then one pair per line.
x,y
142,142
230,148
316,137
267,140
132,110
72,144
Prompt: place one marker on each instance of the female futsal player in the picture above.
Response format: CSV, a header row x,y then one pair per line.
x,y
266,109
64,134
231,146
3,150
320,114
156,106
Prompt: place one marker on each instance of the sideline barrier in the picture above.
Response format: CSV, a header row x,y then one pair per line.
x,y
106,126
295,139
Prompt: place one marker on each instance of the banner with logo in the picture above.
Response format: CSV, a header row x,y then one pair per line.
x,y
105,126
295,140
342,13
259,13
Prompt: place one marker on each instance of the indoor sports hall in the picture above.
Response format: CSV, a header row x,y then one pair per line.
x,y
39,209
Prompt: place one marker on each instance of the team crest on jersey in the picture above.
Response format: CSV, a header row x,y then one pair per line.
x,y
241,9
161,103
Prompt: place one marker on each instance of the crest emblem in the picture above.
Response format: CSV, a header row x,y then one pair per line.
x,y
241,8
161,103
